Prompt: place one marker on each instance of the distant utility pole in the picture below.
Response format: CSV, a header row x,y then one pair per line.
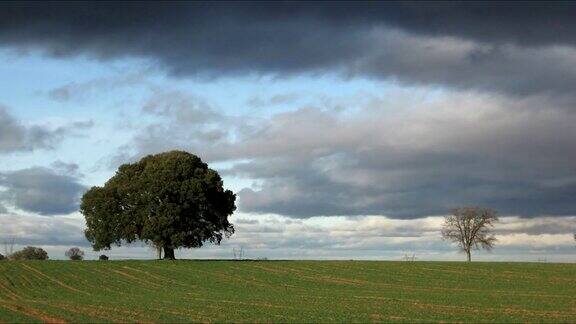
x,y
238,253
9,245
408,257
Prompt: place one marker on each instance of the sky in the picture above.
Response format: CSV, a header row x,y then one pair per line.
x,y
347,130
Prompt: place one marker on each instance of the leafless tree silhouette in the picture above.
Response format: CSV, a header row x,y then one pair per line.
x,y
75,254
469,227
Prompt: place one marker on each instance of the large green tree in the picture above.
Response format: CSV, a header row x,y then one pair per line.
x,y
170,200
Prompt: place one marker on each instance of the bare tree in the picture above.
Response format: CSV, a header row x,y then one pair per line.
x,y
470,227
75,254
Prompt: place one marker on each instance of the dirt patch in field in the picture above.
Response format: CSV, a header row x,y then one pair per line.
x,y
160,278
468,309
193,316
106,285
268,269
314,276
31,312
238,279
56,281
9,293
268,305
103,312
137,279
89,311
392,318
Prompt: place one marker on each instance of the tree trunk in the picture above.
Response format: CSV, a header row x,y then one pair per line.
x,y
469,256
169,253
159,251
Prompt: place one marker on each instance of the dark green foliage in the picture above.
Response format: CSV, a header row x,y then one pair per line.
x,y
171,199
2,257
103,257
75,254
30,253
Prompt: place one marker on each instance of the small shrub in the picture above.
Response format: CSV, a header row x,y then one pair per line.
x,y
29,253
103,257
75,254
2,257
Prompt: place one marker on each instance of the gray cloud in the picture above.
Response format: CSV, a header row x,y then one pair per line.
x,y
413,163
185,122
275,100
180,108
400,157
62,167
377,237
537,226
370,237
511,47
41,190
14,136
80,90
41,230
246,221
505,140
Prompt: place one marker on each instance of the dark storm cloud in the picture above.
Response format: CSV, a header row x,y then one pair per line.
x,y
412,164
307,191
465,45
41,190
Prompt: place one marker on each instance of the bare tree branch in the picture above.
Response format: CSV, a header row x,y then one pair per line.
x,y
469,227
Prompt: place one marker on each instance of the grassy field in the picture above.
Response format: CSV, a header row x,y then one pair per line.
x,y
285,291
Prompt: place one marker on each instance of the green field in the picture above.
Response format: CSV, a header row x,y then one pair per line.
x,y
285,291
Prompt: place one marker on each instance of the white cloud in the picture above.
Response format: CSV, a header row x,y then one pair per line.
x,y
277,237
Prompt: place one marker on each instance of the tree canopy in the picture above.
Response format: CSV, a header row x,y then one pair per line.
x,y
30,253
170,199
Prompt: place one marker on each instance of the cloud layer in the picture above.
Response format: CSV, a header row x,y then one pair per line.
x,y
14,136
367,237
468,104
398,156
41,190
510,48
